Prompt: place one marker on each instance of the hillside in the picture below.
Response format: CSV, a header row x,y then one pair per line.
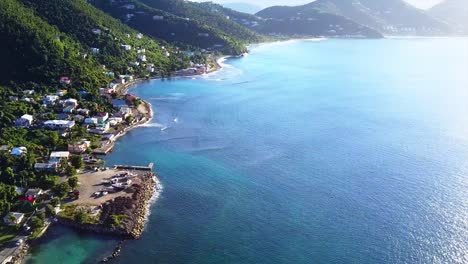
x,y
454,12
304,21
391,17
182,23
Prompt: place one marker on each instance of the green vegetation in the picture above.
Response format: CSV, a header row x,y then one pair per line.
x,y
116,221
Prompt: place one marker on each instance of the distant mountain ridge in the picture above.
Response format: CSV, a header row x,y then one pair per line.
x,y
243,7
454,12
390,17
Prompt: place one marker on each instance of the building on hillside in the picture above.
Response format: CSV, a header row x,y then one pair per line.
x,y
69,109
82,111
19,151
46,167
65,80
59,155
139,36
79,147
91,121
24,121
126,47
61,93
34,193
142,57
79,118
13,218
102,117
97,31
50,99
59,124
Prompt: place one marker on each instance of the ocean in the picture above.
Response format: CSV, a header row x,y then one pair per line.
x,y
314,151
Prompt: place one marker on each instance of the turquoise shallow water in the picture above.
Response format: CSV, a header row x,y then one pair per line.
x,y
335,151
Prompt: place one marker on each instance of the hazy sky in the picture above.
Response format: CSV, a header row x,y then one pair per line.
x,y
266,3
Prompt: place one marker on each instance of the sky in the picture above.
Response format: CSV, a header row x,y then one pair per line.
x,y
266,3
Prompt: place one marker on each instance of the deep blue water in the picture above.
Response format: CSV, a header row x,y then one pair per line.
x,y
335,151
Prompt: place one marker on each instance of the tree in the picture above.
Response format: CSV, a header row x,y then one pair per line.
x,y
77,161
62,189
8,176
73,182
81,217
36,222
55,201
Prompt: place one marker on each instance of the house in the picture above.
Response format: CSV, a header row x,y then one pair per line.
x,y
27,100
141,51
50,99
13,98
59,124
150,68
70,102
130,97
158,18
28,92
61,93
69,109
101,128
113,85
13,218
125,78
167,53
117,103
63,116
4,148
24,121
59,155
113,121
19,151
95,50
102,117
139,36
124,112
65,80
142,57
45,167
79,147
126,47
78,118
33,193
91,120
110,74
97,31
106,91
82,111
135,63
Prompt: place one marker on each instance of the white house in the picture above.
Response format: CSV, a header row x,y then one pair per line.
x,y
19,151
102,117
24,121
94,50
91,120
97,31
142,57
33,193
50,99
70,102
139,36
79,147
13,218
59,155
59,124
126,47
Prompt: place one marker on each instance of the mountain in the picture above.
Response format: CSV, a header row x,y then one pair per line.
x,y
182,23
243,7
454,12
391,17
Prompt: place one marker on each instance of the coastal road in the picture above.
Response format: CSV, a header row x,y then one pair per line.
x,y
10,249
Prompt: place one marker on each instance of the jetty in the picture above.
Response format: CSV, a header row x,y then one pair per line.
x,y
139,168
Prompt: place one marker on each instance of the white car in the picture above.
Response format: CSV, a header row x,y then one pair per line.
x,y
19,242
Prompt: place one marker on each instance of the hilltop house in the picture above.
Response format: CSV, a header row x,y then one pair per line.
x,y
24,121
13,218
79,147
97,31
59,124
139,36
70,102
19,151
94,50
126,47
142,57
78,118
65,80
124,112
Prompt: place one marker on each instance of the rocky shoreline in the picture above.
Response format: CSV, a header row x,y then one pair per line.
x,y
134,209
